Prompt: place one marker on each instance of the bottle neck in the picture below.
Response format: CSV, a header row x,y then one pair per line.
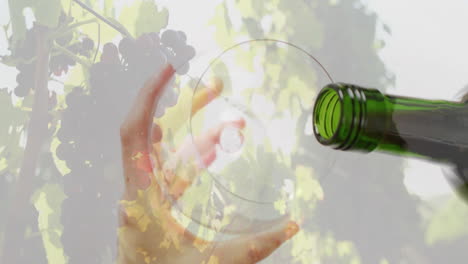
x,y
348,117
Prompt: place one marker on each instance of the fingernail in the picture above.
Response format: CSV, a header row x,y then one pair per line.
x,y
208,159
291,229
240,122
216,85
169,69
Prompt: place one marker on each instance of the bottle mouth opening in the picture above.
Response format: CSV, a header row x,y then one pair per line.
x,y
340,117
328,112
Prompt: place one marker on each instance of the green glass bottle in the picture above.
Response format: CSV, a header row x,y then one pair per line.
x,y
348,117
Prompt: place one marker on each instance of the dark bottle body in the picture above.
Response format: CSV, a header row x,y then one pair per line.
x,y
348,117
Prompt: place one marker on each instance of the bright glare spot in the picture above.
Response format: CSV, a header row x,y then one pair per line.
x,y
267,23
308,129
288,187
426,179
230,139
56,87
231,115
235,16
282,134
29,17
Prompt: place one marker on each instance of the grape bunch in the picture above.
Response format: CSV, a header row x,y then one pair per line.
x,y
60,64
88,147
90,141
150,52
177,51
25,79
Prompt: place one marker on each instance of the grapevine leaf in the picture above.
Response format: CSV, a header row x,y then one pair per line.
x,y
11,131
310,188
17,20
449,223
109,8
223,26
253,28
47,12
66,4
127,17
12,61
144,16
48,201
150,19
304,247
251,8
122,29
59,164
307,32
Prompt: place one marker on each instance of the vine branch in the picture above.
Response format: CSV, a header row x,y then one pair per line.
x,y
71,55
72,27
122,31
20,210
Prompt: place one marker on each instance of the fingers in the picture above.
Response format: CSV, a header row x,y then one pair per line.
x,y
254,248
206,95
206,143
192,156
136,126
174,120
179,116
134,134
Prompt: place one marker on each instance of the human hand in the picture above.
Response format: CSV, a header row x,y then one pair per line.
x,y
148,233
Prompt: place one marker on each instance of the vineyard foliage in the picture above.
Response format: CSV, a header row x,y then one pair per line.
x,y
79,65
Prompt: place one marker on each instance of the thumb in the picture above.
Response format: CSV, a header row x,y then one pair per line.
x,y
254,248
